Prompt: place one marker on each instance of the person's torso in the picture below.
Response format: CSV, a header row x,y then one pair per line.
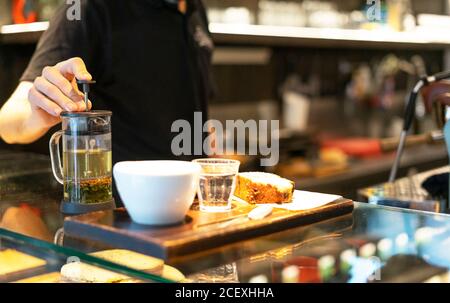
x,y
150,75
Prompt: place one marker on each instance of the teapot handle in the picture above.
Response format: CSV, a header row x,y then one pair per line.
x,y
55,156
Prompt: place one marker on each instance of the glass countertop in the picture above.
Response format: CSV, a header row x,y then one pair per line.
x,y
25,259
29,205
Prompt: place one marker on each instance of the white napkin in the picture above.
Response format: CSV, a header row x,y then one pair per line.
x,y
303,200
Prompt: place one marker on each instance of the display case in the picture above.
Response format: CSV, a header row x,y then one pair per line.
x,y
27,260
399,244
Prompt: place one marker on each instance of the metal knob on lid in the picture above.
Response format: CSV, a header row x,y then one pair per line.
x,y
86,89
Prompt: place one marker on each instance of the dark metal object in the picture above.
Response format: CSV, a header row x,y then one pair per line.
x,y
86,89
409,115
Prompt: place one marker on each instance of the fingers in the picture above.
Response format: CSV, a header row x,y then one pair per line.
x,y
54,76
54,93
81,104
56,90
39,100
74,67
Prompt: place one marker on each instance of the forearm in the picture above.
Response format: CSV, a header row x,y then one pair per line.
x,y
19,124
17,131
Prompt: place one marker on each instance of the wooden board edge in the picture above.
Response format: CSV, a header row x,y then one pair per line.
x,y
142,246
165,251
255,231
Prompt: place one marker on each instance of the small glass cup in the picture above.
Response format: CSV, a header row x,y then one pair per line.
x,y
217,183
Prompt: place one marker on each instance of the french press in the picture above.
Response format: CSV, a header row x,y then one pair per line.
x,y
86,166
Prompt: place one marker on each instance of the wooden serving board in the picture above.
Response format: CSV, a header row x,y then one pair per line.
x,y
199,231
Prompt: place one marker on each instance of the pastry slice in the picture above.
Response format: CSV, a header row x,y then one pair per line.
x,y
84,273
131,259
78,272
260,188
14,263
53,277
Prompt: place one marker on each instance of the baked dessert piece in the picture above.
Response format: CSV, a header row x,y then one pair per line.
x,y
53,277
14,263
131,259
85,273
260,188
173,274
79,272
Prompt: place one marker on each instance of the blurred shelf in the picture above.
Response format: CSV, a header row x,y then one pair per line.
x,y
285,36
22,33
265,35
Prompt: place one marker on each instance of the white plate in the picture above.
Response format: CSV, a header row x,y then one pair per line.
x,y
303,200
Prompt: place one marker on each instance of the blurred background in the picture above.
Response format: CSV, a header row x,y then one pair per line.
x,y
335,73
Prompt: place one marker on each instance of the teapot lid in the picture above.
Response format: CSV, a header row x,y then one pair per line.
x,y
92,113
86,123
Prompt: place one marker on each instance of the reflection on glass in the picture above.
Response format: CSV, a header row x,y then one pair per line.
x,y
25,220
223,274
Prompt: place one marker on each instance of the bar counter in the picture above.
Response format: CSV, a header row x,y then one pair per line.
x,y
27,182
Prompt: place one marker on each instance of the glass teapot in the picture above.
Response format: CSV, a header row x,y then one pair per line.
x,y
86,169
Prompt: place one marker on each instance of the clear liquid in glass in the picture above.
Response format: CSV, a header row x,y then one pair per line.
x,y
215,191
87,175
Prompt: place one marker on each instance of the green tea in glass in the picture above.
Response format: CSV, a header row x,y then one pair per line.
x,y
86,166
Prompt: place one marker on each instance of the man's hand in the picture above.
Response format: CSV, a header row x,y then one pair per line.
x,y
56,89
35,107
436,92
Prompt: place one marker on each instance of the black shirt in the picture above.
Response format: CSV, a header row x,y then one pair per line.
x,y
151,64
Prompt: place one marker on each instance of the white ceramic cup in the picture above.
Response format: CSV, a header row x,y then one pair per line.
x,y
157,192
